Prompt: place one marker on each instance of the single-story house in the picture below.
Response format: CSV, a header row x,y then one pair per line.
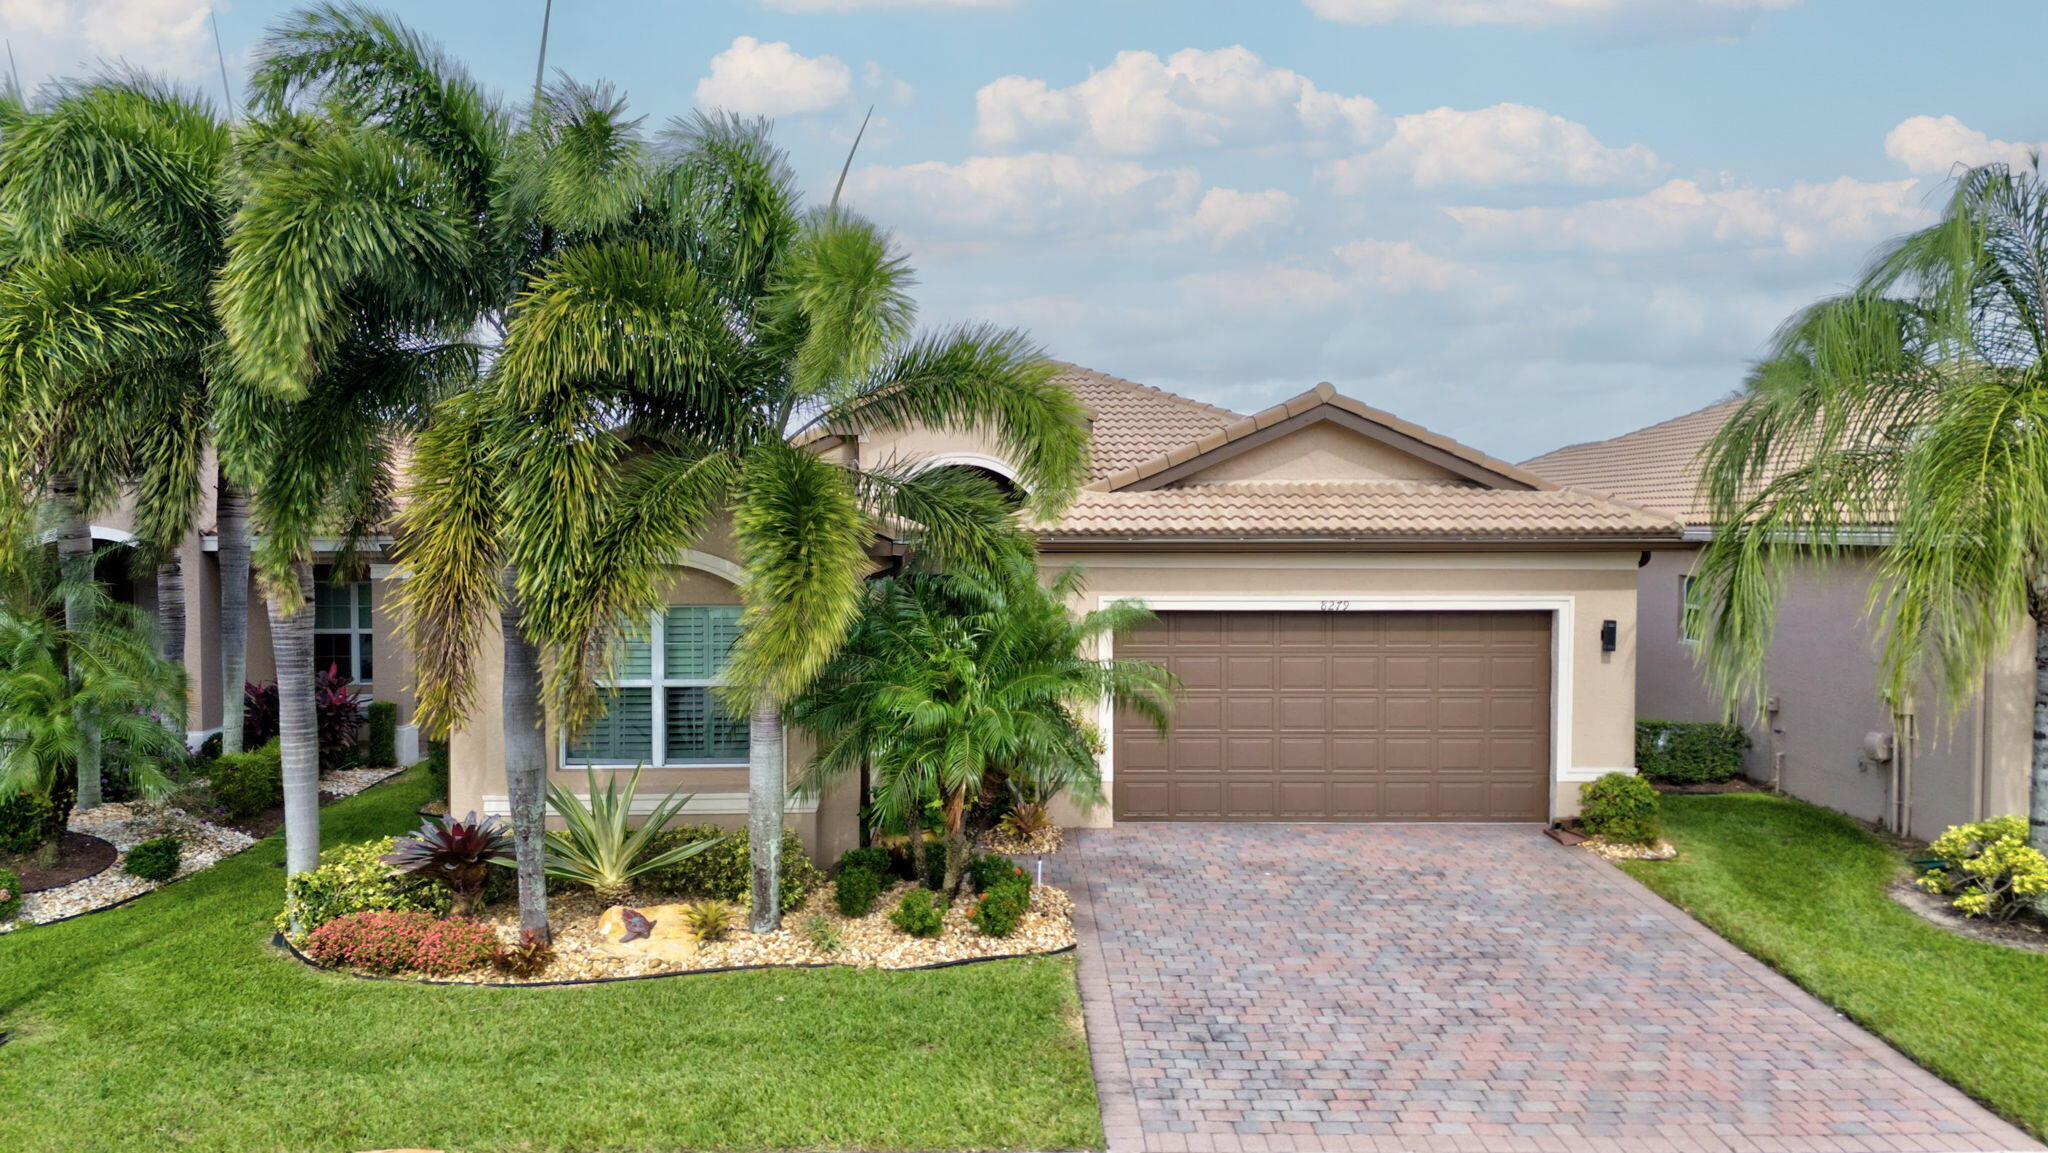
x,y
1826,733
1372,622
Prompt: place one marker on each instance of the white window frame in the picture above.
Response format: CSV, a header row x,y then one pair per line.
x,y
360,598
657,698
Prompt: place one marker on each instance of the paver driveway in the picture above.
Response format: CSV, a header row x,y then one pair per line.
x,y
1455,987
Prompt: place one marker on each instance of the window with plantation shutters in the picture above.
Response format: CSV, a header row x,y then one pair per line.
x,y
661,700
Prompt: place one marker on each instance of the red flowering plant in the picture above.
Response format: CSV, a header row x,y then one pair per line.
x,y
457,853
338,715
452,947
376,942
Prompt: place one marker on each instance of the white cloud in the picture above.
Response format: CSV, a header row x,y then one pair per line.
x,y
756,78
1226,216
1681,215
1488,147
981,200
882,82
1141,103
1935,145
1399,267
70,37
1664,19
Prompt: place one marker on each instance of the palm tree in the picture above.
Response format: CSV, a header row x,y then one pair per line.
x,y
347,303
68,690
115,187
955,680
1918,400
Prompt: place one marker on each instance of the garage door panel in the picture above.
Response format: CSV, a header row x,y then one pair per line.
x,y
1343,716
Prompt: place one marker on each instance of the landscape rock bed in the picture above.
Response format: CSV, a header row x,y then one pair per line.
x,y
127,824
581,954
1614,851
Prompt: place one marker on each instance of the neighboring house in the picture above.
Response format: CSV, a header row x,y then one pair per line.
x,y
1814,739
1372,622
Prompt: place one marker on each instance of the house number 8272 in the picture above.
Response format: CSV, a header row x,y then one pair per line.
x,y
1336,606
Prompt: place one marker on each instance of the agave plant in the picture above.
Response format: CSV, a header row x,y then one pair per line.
x,y
457,853
597,845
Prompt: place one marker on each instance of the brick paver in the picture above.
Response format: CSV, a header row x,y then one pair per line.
x,y
1455,988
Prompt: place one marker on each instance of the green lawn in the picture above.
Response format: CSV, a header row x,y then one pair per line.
x,y
170,1024
1804,889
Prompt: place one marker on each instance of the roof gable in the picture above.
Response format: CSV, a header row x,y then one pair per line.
x,y
1435,457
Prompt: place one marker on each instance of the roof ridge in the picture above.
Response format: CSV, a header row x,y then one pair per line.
x,y
1154,389
1635,432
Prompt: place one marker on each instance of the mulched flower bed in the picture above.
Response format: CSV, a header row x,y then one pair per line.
x,y
79,855
581,954
2026,931
122,826
1731,785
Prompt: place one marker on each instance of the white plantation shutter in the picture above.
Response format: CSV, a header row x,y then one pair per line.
x,y
624,735
664,704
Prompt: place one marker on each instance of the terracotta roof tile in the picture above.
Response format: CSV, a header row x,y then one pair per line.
x,y
1357,509
1656,467
1136,422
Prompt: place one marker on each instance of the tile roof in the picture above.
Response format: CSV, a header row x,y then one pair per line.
x,y
1321,394
1135,422
1393,510
1656,467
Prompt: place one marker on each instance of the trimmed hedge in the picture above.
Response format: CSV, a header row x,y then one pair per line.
x,y
1621,808
246,784
724,871
1689,752
380,745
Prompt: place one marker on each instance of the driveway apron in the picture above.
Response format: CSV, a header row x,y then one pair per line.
x,y
1271,987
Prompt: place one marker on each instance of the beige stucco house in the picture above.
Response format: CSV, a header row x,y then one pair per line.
x,y
1814,739
1371,621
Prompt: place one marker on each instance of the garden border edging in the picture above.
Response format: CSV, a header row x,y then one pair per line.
x,y
281,941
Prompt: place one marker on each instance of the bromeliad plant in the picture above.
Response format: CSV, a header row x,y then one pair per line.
x,y
599,847
457,853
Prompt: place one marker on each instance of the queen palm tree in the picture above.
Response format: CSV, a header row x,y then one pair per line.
x,y
116,189
954,680
1917,400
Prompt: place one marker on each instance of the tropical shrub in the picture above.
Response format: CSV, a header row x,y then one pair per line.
x,y
155,859
354,879
338,715
919,913
1620,808
246,784
456,945
529,958
209,748
384,941
10,894
456,853
711,920
380,742
600,848
1025,822
1991,871
854,890
1689,752
724,869
873,858
990,869
998,910
27,820
259,715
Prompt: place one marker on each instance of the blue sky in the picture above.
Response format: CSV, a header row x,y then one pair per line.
x,y
1521,222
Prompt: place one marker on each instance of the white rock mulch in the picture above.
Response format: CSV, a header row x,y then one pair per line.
x,y
129,824
1616,851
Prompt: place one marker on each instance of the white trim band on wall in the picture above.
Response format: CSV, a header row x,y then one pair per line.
x,y
1563,637
1579,774
702,804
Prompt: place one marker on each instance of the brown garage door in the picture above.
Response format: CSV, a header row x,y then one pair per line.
x,y
1343,716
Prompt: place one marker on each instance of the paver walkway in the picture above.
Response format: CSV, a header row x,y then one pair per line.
x,y
1451,988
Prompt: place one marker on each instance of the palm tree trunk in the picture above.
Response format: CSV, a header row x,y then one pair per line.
x,y
170,623
956,842
291,631
765,792
2037,790
74,564
913,828
526,765
231,517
